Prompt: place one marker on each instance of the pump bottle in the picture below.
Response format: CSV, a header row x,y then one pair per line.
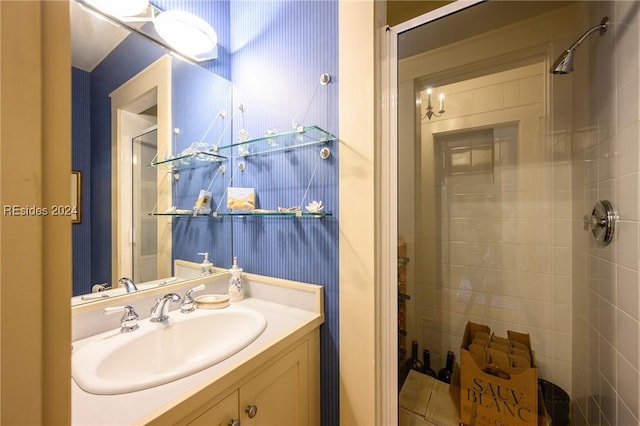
x,y
206,267
236,291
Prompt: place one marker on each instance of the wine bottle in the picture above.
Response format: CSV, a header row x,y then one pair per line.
x,y
414,363
445,373
426,363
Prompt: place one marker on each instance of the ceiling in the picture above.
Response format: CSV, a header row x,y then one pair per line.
x,y
92,37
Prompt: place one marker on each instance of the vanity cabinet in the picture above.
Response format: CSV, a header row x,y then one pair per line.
x,y
282,392
223,413
279,396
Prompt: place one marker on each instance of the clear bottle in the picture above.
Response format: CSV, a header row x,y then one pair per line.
x,y
445,373
426,363
236,290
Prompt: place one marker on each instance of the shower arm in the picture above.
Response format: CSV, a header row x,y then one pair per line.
x,y
602,27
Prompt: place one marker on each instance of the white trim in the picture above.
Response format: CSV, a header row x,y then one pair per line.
x,y
387,313
448,9
151,86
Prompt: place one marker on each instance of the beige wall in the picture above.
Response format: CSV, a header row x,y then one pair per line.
x,y
35,250
357,226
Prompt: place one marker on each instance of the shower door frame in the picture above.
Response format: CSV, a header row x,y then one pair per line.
x,y
387,395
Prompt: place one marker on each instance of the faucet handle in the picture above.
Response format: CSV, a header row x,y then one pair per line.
x,y
187,300
129,320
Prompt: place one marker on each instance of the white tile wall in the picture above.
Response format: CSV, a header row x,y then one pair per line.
x,y
503,246
606,360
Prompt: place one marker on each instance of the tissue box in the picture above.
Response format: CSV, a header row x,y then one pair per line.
x,y
241,199
496,393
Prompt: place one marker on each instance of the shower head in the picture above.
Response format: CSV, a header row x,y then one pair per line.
x,y
564,63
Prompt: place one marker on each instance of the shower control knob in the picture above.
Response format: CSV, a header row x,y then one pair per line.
x,y
602,221
590,222
251,411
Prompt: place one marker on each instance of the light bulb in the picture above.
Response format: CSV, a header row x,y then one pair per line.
x,y
185,32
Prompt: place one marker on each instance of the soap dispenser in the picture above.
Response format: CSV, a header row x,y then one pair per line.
x,y
206,267
236,292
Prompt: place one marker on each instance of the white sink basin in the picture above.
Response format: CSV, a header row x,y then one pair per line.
x,y
158,353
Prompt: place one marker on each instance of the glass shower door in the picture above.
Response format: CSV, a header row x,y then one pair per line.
x,y
144,201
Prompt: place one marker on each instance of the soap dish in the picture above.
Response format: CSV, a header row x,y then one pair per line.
x,y
212,301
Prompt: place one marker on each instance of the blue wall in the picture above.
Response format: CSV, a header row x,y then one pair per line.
x,y
279,50
197,97
80,160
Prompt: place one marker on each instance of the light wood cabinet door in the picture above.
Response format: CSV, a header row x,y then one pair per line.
x,y
279,395
223,413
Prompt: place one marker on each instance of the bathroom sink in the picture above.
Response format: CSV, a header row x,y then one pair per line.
x,y
158,353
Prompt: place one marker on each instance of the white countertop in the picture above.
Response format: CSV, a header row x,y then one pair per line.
x,y
124,409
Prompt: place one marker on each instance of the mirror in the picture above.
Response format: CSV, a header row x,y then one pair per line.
x,y
134,103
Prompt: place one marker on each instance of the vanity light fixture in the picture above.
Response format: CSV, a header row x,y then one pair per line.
x,y
429,111
187,34
120,8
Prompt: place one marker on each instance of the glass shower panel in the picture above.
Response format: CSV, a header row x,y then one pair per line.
x,y
144,201
484,187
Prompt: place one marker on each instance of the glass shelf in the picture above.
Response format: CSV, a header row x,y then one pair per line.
x,y
247,214
194,159
303,136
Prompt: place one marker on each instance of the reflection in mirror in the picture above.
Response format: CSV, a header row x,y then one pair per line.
x,y
134,106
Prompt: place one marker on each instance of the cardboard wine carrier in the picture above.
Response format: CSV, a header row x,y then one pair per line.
x,y
498,380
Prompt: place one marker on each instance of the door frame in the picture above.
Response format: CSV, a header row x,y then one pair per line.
x,y
152,86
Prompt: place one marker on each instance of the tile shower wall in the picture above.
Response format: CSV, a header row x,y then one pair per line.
x,y
606,131
497,247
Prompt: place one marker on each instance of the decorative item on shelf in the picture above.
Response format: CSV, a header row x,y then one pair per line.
x,y
293,209
315,207
203,203
271,141
241,198
429,110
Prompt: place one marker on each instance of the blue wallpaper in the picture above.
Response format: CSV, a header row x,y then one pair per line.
x,y
197,99
279,50
80,160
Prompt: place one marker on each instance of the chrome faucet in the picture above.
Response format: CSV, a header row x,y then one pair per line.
x,y
188,302
160,310
129,320
128,284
